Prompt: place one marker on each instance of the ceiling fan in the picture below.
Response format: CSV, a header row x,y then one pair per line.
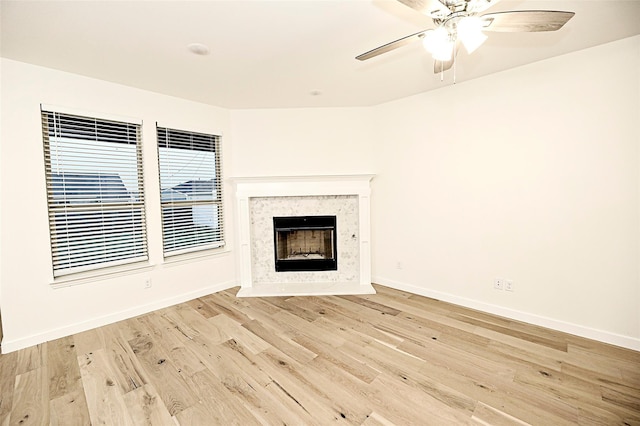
x,y
457,22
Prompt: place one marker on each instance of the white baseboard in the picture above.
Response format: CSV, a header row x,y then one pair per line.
x,y
35,339
566,327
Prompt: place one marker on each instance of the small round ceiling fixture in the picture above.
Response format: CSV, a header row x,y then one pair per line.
x,y
198,49
315,93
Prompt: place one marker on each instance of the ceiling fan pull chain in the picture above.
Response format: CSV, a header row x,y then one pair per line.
x,y
454,63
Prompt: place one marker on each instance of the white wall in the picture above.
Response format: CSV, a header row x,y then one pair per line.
x,y
34,311
531,175
313,141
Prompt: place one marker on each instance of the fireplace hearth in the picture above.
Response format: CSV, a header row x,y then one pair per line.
x,y
305,243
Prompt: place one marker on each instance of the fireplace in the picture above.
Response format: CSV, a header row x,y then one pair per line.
x,y
322,245
305,243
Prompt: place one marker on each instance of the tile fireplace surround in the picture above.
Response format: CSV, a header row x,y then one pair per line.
x,y
259,199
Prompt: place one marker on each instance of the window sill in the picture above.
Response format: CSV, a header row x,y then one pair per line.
x,y
179,259
107,273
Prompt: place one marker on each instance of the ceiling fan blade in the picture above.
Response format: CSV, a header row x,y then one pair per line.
x,y
477,6
392,46
525,21
433,8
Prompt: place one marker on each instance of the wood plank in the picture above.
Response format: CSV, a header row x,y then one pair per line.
x,y
518,351
70,409
368,301
351,322
352,406
486,415
376,419
607,415
287,375
563,386
31,398
223,409
628,400
64,373
236,331
207,311
266,401
346,363
392,292
146,407
556,343
288,304
159,329
125,366
233,311
398,402
600,348
31,358
171,342
195,415
129,329
605,364
348,404
104,398
283,343
88,341
8,368
409,370
171,387
229,359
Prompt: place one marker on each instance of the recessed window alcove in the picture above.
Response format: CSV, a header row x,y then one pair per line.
x,y
304,235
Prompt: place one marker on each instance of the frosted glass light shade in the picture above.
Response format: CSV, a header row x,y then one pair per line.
x,y
439,44
470,33
444,52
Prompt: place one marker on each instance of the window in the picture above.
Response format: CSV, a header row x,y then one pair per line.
x,y
94,191
191,192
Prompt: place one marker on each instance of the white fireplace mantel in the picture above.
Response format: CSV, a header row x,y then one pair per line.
x,y
247,188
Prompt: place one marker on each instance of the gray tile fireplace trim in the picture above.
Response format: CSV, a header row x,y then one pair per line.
x,y
344,207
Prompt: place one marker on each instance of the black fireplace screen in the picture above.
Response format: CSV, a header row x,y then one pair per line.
x,y
305,243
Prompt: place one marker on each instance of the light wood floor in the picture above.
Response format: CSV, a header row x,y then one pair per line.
x,y
389,358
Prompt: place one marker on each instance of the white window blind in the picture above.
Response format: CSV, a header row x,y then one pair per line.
x,y
94,192
191,190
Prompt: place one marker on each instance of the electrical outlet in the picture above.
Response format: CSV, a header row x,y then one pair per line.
x,y
508,285
147,283
398,265
498,283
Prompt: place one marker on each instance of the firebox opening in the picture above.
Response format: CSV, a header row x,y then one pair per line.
x,y
305,243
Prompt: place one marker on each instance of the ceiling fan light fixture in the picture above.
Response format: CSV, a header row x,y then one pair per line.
x,y
470,33
459,22
438,43
444,52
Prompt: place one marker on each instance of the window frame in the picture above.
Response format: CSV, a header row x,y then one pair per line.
x,y
167,136
80,204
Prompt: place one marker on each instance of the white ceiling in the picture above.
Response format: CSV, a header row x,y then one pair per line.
x,y
273,54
